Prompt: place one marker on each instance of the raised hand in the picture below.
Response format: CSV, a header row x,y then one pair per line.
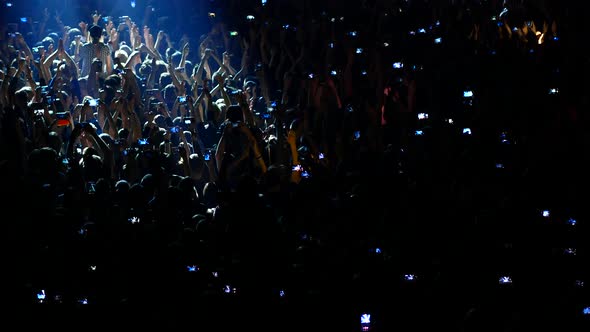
x,y
60,47
96,17
50,48
226,60
114,35
45,14
219,78
22,62
150,41
110,26
58,18
146,32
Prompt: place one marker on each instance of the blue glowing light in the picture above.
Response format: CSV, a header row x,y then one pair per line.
x,y
366,319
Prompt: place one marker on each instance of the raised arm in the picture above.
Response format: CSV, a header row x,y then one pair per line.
x,y
179,87
185,52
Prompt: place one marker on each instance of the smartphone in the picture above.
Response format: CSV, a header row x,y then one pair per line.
x,y
188,121
438,40
505,280
418,133
235,124
207,156
233,33
398,65
310,75
352,33
93,102
359,50
211,14
321,156
467,94
250,17
174,130
572,222
570,251
263,2
229,289
410,277
192,268
586,311
365,322
134,220
333,73
23,19
466,131
41,296
357,134
142,141
364,73
553,91
151,92
182,99
297,168
422,116
62,119
545,213
91,187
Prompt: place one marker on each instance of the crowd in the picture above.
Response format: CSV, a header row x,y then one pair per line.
x,y
297,165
